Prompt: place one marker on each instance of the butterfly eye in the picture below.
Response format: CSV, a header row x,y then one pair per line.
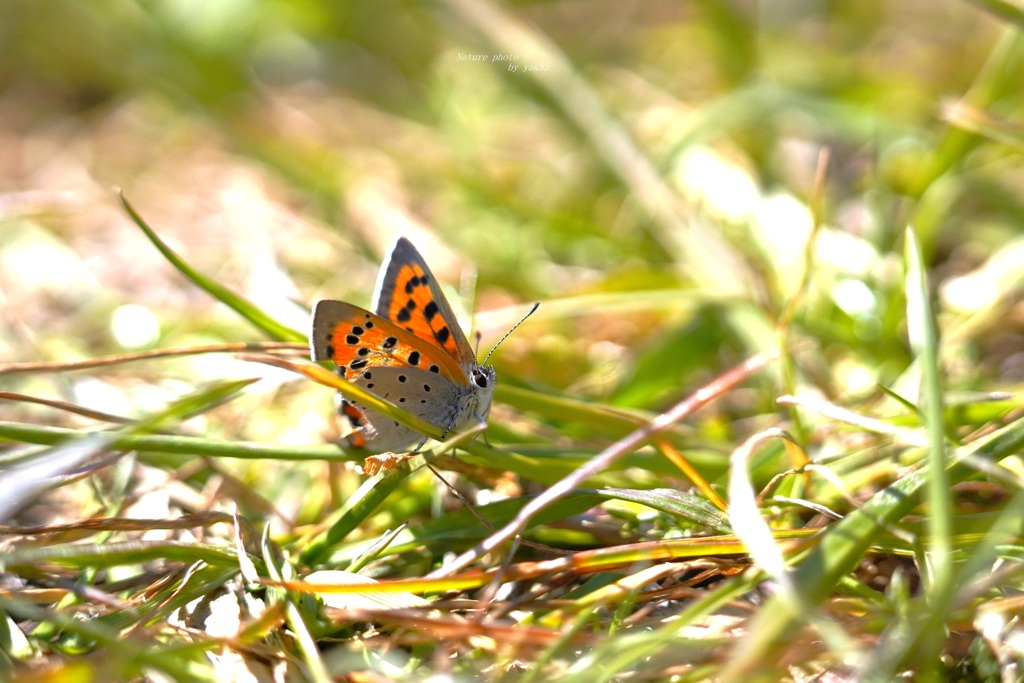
x,y
480,379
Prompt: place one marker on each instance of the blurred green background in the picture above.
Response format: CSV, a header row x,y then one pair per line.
x,y
647,170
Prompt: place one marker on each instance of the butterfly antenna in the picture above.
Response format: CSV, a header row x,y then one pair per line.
x,y
505,336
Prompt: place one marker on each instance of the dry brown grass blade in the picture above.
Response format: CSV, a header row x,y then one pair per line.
x,y
66,407
494,636
104,361
583,562
691,473
122,524
354,392
603,460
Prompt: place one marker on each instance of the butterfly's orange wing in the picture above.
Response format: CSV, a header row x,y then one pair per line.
x,y
409,296
357,339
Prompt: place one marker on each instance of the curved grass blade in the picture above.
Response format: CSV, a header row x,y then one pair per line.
x,y
600,559
19,484
353,393
610,455
687,506
238,303
843,545
1008,11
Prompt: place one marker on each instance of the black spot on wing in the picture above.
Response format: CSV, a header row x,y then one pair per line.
x,y
430,310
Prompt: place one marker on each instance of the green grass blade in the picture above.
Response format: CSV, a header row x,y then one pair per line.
x,y
239,304
923,332
129,656
685,505
177,445
362,504
116,554
843,545
1008,11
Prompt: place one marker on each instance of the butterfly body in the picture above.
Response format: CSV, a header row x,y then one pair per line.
x,y
410,351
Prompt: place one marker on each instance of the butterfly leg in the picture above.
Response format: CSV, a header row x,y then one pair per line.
x,y
448,429
450,422
483,420
455,421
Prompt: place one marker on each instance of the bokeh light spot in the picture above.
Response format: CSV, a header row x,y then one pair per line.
x,y
134,326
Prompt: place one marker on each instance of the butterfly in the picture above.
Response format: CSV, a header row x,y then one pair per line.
x,y
410,351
